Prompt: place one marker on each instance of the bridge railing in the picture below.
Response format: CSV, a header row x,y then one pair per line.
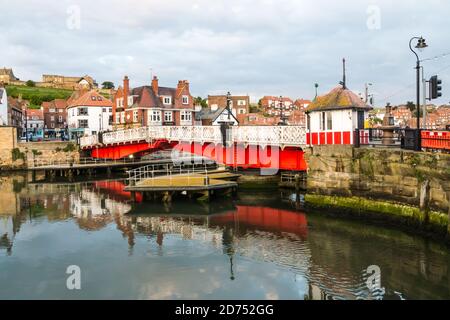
x,y
88,141
255,135
270,135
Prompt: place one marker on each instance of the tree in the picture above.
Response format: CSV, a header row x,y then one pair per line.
x,y
411,105
30,83
108,85
201,101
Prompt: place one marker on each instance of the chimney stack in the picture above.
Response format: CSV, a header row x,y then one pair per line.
x,y
155,85
126,91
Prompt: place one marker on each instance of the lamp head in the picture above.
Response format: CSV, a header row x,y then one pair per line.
x,y
421,44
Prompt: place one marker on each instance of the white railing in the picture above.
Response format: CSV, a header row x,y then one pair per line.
x,y
249,135
89,140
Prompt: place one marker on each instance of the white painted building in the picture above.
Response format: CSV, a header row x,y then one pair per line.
x,y
90,114
334,117
3,107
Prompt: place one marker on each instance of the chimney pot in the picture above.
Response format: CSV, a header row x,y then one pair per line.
x,y
126,90
155,85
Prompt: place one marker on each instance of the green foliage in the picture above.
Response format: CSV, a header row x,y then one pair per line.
x,y
36,152
17,154
254,108
37,95
415,160
432,162
18,186
108,85
30,83
411,105
69,147
201,101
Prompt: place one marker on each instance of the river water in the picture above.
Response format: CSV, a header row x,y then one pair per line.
x,y
260,245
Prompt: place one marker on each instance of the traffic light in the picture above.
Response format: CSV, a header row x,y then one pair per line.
x,y
435,87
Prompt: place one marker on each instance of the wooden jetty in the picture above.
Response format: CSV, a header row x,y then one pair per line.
x,y
201,184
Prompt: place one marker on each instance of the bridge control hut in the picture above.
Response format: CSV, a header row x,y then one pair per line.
x,y
335,117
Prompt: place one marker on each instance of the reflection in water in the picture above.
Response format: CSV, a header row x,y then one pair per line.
x,y
230,249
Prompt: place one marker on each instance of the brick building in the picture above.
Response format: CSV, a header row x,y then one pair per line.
x,y
55,118
15,109
271,105
153,105
238,104
402,116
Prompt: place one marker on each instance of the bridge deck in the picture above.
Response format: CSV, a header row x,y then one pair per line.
x,y
193,182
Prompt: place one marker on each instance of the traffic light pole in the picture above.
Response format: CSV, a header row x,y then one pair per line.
x,y
424,98
418,93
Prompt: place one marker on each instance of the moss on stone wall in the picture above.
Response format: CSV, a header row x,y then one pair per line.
x,y
381,209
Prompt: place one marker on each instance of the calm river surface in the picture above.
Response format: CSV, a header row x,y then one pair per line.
x,y
257,246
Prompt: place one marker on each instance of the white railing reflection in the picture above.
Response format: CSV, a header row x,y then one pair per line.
x,y
248,135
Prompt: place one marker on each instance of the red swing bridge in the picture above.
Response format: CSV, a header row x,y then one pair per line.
x,y
255,147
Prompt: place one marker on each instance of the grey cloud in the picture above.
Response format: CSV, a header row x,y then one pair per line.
x,y
248,46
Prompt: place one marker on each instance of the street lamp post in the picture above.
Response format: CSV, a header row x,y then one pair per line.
x,y
282,117
229,105
420,45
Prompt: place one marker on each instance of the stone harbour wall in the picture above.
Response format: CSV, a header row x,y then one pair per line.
x,y
21,156
415,179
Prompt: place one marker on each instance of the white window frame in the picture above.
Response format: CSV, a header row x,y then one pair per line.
x,y
185,99
155,116
185,117
135,115
167,100
168,116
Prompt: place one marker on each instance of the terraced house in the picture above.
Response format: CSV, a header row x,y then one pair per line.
x,y
153,105
55,122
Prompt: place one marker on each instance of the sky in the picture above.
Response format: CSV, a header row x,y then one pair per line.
x,y
254,47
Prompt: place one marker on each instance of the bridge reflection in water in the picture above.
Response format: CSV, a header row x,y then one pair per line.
x,y
326,258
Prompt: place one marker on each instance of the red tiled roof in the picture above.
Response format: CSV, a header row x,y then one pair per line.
x,y
35,113
91,99
60,103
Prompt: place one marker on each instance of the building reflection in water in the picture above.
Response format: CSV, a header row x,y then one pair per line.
x,y
330,255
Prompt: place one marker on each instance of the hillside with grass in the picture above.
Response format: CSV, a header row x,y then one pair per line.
x,y
37,95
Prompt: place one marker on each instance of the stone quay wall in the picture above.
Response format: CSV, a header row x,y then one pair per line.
x,y
418,181
21,156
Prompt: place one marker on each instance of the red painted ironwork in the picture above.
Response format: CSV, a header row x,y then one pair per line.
x,y
251,156
438,140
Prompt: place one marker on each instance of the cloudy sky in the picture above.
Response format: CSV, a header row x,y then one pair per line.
x,y
255,47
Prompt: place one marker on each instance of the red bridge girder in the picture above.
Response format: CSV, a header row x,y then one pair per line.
x,y
125,150
251,156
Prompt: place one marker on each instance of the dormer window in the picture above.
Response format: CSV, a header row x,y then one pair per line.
x,y
93,98
167,100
